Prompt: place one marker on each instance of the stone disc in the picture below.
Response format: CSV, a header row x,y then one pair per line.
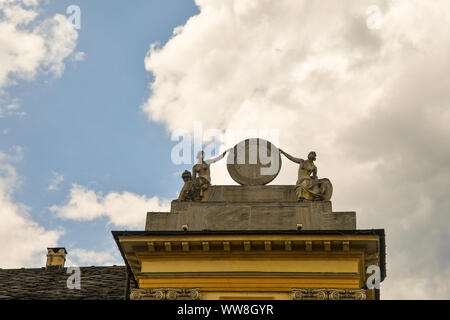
x,y
254,162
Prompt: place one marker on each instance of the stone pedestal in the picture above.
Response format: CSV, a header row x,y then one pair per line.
x,y
250,208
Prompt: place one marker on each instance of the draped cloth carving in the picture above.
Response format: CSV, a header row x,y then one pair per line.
x,y
309,187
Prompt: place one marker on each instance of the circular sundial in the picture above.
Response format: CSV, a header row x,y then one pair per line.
x,y
254,162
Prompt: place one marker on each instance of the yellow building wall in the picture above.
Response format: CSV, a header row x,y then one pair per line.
x,y
256,273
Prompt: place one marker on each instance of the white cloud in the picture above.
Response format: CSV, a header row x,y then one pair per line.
x,y
79,56
124,209
60,41
372,103
24,241
83,257
57,178
13,108
30,45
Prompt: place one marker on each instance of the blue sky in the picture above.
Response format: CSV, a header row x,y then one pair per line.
x,y
87,125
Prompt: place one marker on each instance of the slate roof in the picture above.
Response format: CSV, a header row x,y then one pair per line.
x,y
97,283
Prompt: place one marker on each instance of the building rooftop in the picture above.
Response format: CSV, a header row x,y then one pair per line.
x,y
97,283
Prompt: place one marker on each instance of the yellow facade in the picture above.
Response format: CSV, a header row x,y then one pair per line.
x,y
285,265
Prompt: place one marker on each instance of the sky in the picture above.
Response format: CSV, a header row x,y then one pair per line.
x,y
92,107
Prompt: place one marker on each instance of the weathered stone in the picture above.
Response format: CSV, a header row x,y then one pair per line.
x,y
309,187
275,193
251,208
254,162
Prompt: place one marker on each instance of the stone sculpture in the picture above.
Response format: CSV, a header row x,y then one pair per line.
x,y
254,162
196,184
187,193
308,186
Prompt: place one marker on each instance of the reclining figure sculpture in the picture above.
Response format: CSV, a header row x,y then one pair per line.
x,y
308,186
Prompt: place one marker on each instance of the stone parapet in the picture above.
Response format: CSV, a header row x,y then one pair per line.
x,y
250,208
273,193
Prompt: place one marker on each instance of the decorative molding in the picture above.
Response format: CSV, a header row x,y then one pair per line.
x,y
205,246
347,294
328,294
151,246
166,294
308,245
346,245
309,294
288,245
155,246
372,259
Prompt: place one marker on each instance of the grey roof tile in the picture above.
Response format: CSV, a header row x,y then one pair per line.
x,y
97,283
